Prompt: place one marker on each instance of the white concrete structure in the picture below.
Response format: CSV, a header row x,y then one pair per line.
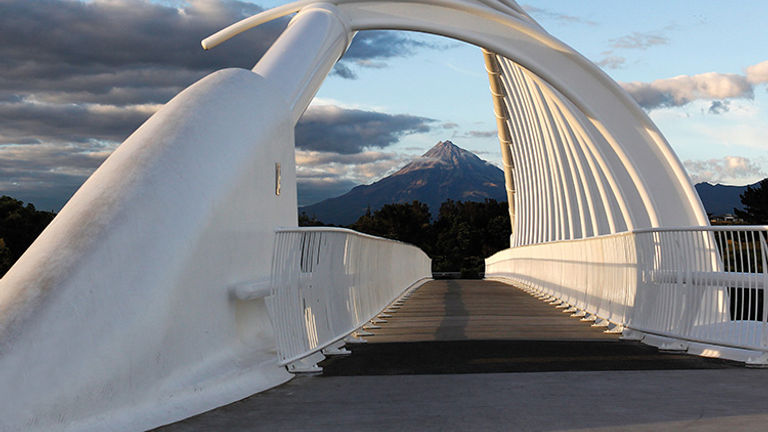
x,y
142,303
121,316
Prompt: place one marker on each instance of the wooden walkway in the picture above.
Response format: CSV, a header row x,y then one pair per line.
x,y
479,326
454,310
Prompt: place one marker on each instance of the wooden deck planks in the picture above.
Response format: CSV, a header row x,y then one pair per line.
x,y
453,310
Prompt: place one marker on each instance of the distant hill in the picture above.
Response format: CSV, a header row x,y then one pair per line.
x,y
447,171
720,199
444,172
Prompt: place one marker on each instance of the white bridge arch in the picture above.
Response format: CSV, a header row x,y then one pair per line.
x,y
589,159
144,300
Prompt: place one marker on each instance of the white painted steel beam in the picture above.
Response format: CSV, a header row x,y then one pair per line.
x,y
498,95
300,59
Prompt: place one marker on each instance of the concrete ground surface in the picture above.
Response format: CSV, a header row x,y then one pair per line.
x,y
673,400
484,356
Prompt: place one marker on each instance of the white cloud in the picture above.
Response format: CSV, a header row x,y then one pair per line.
x,y
719,107
612,62
633,41
75,74
556,16
48,174
683,89
340,130
359,168
735,170
322,175
640,40
757,74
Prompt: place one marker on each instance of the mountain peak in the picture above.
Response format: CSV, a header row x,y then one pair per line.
x,y
445,150
445,171
445,153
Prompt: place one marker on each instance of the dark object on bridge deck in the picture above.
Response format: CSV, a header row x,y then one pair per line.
x,y
455,275
471,326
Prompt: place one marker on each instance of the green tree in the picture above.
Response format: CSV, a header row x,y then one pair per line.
x,y
5,257
467,233
306,220
19,227
464,234
407,222
755,201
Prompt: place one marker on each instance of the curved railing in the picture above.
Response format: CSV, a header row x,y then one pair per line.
x,y
686,286
328,282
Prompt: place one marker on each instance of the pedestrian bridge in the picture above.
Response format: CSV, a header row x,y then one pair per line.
x,y
485,355
176,280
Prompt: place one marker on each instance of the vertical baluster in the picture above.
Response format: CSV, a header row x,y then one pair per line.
x,y
763,343
749,334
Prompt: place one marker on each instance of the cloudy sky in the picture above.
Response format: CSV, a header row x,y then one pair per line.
x,y
77,77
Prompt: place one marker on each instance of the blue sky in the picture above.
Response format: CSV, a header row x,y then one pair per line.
x,y
79,76
635,42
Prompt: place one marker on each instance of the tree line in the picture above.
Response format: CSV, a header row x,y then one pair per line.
x,y
755,202
465,233
458,240
19,227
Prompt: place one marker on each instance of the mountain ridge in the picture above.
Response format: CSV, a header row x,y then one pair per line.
x,y
719,199
446,171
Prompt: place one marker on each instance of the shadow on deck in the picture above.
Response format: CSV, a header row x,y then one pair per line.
x,y
476,326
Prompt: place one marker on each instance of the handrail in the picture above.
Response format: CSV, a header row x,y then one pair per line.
x,y
327,282
708,228
341,230
704,285
715,228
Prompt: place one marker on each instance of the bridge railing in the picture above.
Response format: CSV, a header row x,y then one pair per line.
x,y
700,284
328,282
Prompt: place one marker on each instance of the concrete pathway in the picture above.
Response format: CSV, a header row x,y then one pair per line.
x,y
676,400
